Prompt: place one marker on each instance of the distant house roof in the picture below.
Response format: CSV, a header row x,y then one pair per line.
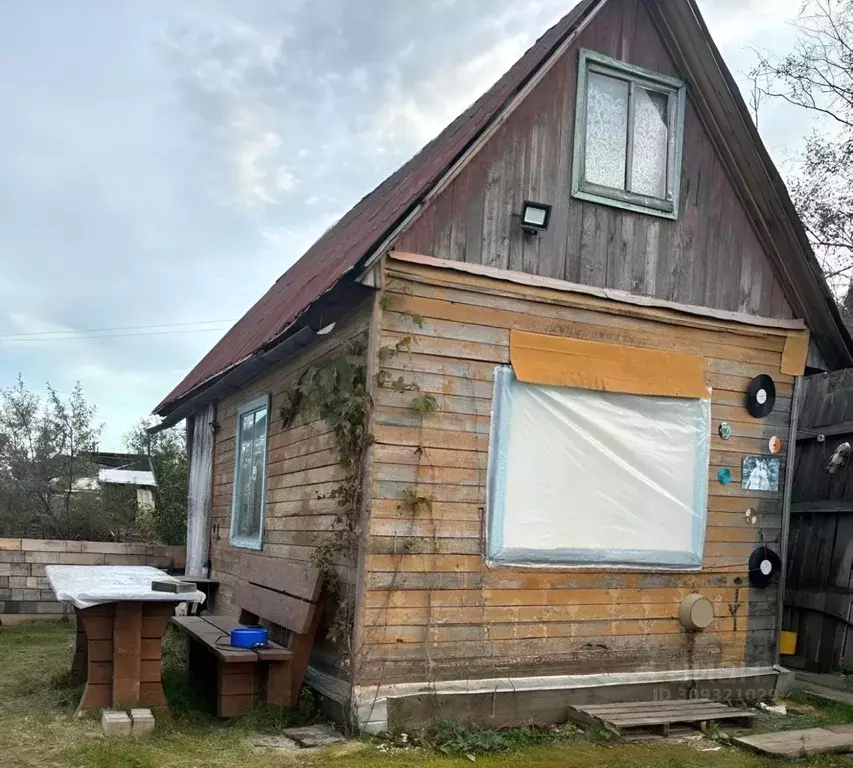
x,y
124,469
368,225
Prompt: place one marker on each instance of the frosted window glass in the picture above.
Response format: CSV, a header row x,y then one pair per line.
x,y
580,476
651,134
606,130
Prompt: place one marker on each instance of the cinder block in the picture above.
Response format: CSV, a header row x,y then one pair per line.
x,y
5,569
5,594
73,546
19,582
29,606
143,721
37,570
81,558
46,594
43,545
11,556
32,595
10,544
102,547
116,723
43,558
32,582
51,607
126,559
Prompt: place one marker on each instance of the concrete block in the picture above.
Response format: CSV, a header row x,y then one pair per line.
x,y
11,556
4,582
5,569
143,721
784,683
103,547
44,558
81,558
20,569
116,723
126,559
44,545
5,594
32,594
47,594
73,546
29,606
32,582
16,594
10,544
51,607
37,570
21,618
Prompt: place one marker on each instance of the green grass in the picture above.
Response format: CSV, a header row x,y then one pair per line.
x,y
38,727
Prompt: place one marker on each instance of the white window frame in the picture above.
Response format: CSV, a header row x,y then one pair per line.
x,y
590,61
236,540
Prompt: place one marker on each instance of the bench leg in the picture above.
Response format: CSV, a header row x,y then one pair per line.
x,y
279,691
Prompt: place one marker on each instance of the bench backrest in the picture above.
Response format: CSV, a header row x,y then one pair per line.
x,y
285,592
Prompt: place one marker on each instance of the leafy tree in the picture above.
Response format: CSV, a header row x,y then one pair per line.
x,y
817,76
47,480
168,451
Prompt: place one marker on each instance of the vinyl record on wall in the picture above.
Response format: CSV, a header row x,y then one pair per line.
x,y
760,396
764,567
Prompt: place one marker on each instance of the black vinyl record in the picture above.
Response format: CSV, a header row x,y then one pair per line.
x,y
764,567
760,396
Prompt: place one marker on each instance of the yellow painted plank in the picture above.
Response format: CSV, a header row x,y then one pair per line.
x,y
560,361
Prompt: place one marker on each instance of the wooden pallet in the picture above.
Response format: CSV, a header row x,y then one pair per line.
x,y
632,717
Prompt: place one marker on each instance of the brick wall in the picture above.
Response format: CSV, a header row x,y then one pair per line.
x,y
24,590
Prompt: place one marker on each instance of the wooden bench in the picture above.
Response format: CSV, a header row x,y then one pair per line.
x,y
280,592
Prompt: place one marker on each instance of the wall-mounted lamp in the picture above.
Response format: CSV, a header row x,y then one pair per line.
x,y
535,216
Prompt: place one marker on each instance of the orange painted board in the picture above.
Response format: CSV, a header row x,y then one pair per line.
x,y
795,354
565,362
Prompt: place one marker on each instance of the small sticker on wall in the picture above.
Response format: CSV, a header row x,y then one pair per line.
x,y
724,475
775,444
760,473
725,430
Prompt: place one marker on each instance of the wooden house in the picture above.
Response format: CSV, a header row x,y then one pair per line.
x,y
558,306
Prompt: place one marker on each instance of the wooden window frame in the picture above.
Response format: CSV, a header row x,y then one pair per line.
x,y
246,542
590,61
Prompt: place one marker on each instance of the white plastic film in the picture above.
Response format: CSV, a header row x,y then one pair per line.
x,y
87,585
580,477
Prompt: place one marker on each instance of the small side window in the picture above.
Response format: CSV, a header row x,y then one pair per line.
x,y
628,136
250,475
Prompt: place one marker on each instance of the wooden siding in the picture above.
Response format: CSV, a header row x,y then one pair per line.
x,y
433,610
302,469
710,256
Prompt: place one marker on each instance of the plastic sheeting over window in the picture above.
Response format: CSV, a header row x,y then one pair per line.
x,y
580,477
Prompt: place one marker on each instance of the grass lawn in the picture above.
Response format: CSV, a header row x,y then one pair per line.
x,y
38,727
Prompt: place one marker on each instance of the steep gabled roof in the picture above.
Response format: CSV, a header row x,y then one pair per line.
x,y
357,235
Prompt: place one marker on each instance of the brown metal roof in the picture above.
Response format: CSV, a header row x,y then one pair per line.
x,y
355,236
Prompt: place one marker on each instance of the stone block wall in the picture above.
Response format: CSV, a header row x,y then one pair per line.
x,y
24,590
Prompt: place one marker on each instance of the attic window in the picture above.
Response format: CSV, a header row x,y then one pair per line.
x,y
628,136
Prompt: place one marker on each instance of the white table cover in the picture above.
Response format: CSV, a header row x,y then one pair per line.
x,y
87,585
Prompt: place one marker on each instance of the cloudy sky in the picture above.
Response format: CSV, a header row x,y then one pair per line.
x,y
162,162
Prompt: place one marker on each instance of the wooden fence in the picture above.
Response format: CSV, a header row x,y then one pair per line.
x,y
820,571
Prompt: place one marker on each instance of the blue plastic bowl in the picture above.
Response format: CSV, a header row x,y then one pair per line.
x,y
249,637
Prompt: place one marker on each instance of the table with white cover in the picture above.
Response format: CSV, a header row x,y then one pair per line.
x,y
120,626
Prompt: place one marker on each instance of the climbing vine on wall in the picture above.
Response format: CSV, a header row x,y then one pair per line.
x,y
337,392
